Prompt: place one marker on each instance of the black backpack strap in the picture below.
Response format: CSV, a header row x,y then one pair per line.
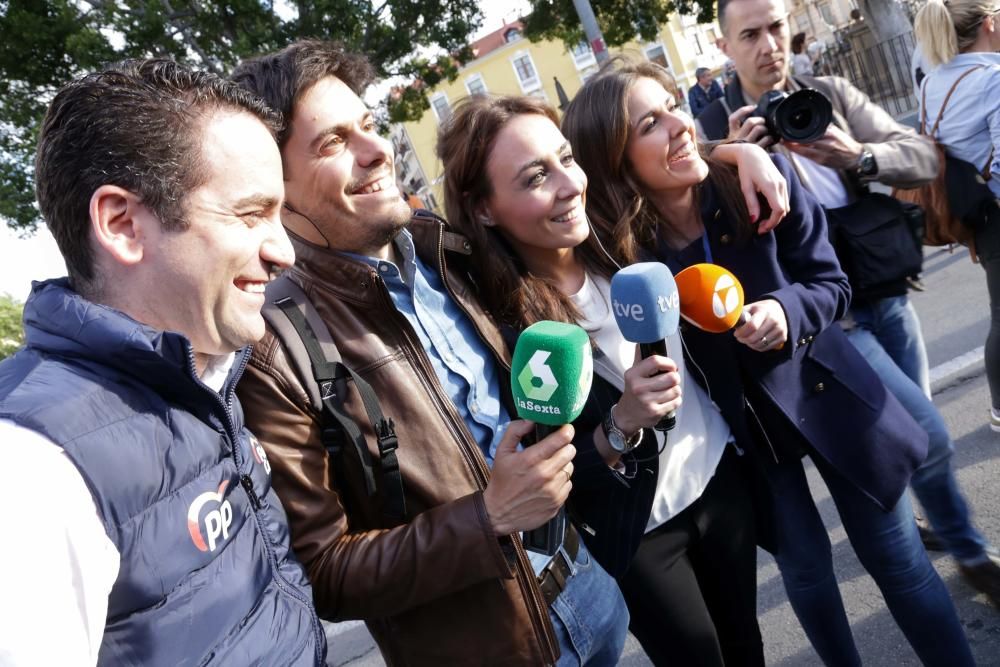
x,y
330,387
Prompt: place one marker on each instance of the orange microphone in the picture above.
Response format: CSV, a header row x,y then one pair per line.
x,y
711,297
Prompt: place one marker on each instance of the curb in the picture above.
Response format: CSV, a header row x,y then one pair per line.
x,y
963,367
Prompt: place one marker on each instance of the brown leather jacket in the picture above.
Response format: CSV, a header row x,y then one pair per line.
x,y
440,589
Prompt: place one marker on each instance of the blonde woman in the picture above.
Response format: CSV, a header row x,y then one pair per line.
x,y
961,40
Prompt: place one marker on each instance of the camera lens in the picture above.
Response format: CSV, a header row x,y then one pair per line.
x,y
802,117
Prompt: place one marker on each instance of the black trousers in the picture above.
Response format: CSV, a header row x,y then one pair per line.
x,y
988,249
691,588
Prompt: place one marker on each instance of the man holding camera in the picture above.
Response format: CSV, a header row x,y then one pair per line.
x,y
862,144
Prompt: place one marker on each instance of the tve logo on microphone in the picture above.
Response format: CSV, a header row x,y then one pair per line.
x,y
672,300
217,520
635,311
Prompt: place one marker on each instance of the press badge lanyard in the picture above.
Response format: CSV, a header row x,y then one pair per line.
x,y
708,250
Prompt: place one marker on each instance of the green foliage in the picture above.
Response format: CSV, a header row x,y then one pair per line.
x,y
620,20
11,333
45,43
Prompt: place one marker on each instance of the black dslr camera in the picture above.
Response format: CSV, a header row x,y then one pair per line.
x,y
801,117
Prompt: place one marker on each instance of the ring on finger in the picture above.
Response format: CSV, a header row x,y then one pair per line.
x,y
763,341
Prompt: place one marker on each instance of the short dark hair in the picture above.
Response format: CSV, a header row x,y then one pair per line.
x,y
136,125
798,42
720,14
700,72
282,77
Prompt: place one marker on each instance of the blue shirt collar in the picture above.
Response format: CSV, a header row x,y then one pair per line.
x,y
388,269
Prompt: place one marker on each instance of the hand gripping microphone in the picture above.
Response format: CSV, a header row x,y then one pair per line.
x,y
711,297
647,308
551,373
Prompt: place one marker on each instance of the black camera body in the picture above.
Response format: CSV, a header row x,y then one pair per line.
x,y
801,117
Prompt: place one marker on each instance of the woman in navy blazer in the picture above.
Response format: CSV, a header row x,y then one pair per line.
x,y
788,381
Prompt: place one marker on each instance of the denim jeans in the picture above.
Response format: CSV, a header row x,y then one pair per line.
x,y
589,616
888,546
894,323
888,336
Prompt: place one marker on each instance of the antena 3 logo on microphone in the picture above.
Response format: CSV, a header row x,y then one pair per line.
x,y
725,297
551,372
711,297
216,521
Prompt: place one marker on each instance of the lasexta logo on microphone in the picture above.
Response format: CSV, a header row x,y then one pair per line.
x,y
216,520
538,383
551,370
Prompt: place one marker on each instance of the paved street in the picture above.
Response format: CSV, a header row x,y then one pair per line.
x,y
954,313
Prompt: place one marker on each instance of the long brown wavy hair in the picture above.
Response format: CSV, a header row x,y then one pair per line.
x,y
597,126
512,294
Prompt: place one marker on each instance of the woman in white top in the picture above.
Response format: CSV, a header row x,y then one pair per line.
x,y
681,506
962,39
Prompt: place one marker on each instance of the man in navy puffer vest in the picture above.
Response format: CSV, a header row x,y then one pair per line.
x,y
146,531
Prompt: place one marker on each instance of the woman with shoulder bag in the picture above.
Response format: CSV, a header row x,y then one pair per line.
x,y
788,381
961,40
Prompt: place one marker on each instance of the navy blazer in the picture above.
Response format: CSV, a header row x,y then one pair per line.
x,y
817,390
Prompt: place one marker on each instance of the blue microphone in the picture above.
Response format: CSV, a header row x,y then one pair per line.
x,y
647,307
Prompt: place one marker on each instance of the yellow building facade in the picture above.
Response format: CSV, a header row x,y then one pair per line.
x,y
508,63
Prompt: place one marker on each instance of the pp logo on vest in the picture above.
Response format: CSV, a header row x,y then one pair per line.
x,y
259,455
725,298
536,379
217,519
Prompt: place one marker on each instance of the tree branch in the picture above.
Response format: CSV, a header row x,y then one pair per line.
x,y
373,20
190,40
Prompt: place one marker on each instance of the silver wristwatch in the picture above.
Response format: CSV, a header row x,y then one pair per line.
x,y
866,163
619,442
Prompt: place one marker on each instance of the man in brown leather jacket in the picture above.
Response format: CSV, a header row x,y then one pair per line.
x,y
451,583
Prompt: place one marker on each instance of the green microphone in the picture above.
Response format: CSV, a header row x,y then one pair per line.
x,y
551,373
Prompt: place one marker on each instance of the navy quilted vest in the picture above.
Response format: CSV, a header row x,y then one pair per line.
x,y
183,489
